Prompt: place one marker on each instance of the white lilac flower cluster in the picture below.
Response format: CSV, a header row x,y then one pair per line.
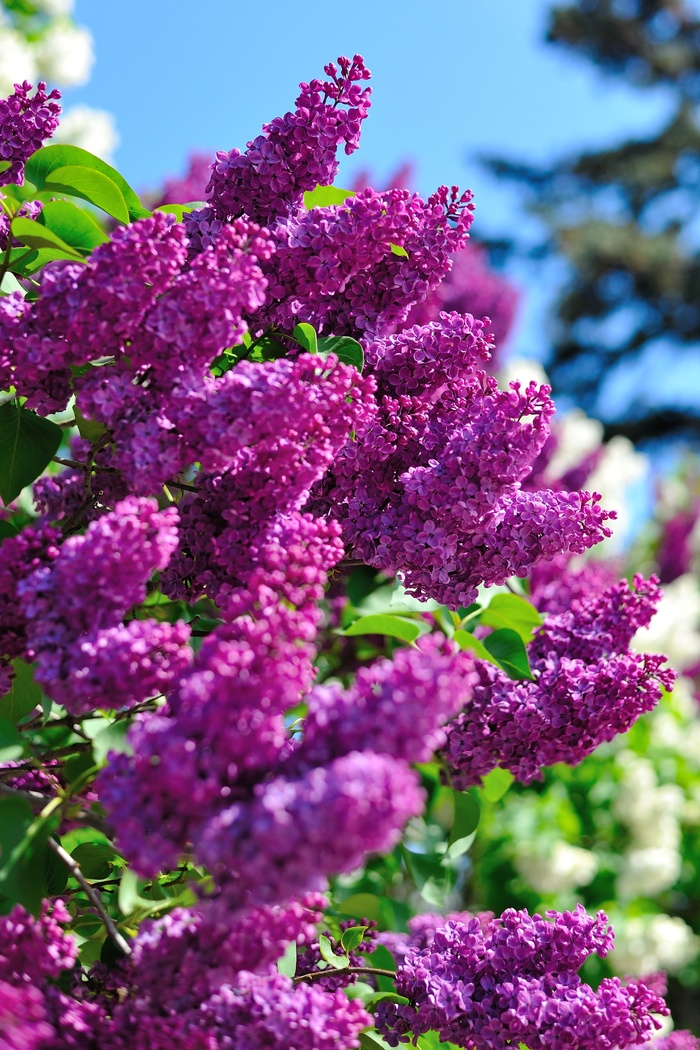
x,y
49,46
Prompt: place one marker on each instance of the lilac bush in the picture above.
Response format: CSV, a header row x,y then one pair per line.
x,y
210,711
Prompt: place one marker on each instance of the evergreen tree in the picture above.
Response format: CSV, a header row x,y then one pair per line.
x,y
624,219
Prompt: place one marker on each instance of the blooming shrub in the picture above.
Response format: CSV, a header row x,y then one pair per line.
x,y
228,720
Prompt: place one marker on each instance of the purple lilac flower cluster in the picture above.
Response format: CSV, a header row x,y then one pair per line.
x,y
74,606
26,120
35,1013
432,488
587,687
262,811
22,555
296,152
334,267
472,287
193,979
515,980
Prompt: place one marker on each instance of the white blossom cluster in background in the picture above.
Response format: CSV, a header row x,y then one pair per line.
x,y
48,45
645,944
562,870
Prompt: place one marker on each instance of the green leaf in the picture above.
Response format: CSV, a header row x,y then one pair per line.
x,y
43,164
55,873
95,859
338,962
512,612
352,937
73,225
35,235
180,210
467,641
23,865
24,694
27,445
345,348
7,529
325,196
90,429
128,896
362,906
91,186
271,349
392,626
372,1041
495,784
429,875
10,284
305,334
466,816
508,648
112,738
287,963
12,744
398,250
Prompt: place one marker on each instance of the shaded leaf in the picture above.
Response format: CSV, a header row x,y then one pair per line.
x,y
23,865
466,815
24,694
509,649
362,906
95,859
12,744
7,529
345,348
27,445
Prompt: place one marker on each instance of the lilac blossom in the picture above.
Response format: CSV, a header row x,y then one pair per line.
x,y
515,980
295,152
432,488
395,707
334,267
85,657
472,287
20,556
296,831
587,686
26,120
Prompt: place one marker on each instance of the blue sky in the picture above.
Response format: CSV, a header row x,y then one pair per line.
x,y
451,79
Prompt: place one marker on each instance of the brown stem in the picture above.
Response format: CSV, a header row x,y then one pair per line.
x,y
92,895
317,974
